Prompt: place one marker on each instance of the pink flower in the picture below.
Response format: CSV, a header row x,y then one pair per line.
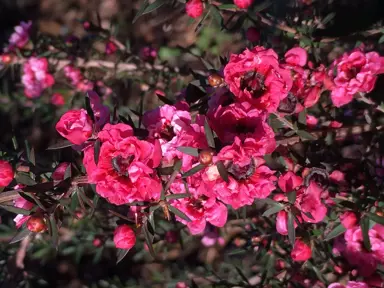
x,y
252,34
335,124
59,173
289,182
243,4
20,219
20,37
201,210
311,120
301,252
353,73
337,177
350,284
181,285
110,48
124,172
309,202
77,79
282,222
75,125
124,237
36,77
6,173
296,56
249,125
148,54
57,99
348,219
255,76
249,179
194,8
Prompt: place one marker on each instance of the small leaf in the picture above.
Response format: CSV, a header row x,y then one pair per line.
x,y
338,230
242,275
53,231
365,229
227,6
155,5
303,117
121,253
273,210
15,210
141,10
60,145
304,135
381,40
20,236
222,171
376,218
308,214
292,197
177,165
291,229
149,239
179,213
217,15
209,134
177,196
96,151
24,178
68,172
193,170
189,150
268,201
89,108
32,157
164,99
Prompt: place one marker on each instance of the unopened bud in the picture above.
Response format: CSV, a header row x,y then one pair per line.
x,y
215,80
36,224
205,157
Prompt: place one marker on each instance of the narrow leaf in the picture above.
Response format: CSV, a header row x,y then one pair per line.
x,y
245,279
15,210
149,239
292,197
376,218
155,5
89,108
365,229
273,210
164,99
60,145
179,213
291,229
222,171
177,196
53,230
121,253
209,134
141,10
338,230
193,170
189,150
24,178
20,236
96,150
304,135
32,157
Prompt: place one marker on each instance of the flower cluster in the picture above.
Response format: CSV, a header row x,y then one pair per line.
x,y
195,8
20,37
36,77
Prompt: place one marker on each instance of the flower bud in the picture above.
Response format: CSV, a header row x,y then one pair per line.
x,y
215,80
205,157
36,224
194,8
124,237
252,34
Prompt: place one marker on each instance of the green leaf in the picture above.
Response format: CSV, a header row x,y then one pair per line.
x,y
20,236
193,170
262,6
242,275
328,18
273,210
165,100
304,135
209,134
141,10
60,145
155,5
222,171
179,213
32,157
189,150
178,196
381,40
53,231
217,15
292,197
376,218
303,117
121,253
338,230
89,108
149,239
227,6
24,178
365,229
96,151
268,201
15,210
291,229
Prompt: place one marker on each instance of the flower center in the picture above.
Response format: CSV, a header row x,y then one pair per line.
x,y
120,164
167,132
242,172
253,82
